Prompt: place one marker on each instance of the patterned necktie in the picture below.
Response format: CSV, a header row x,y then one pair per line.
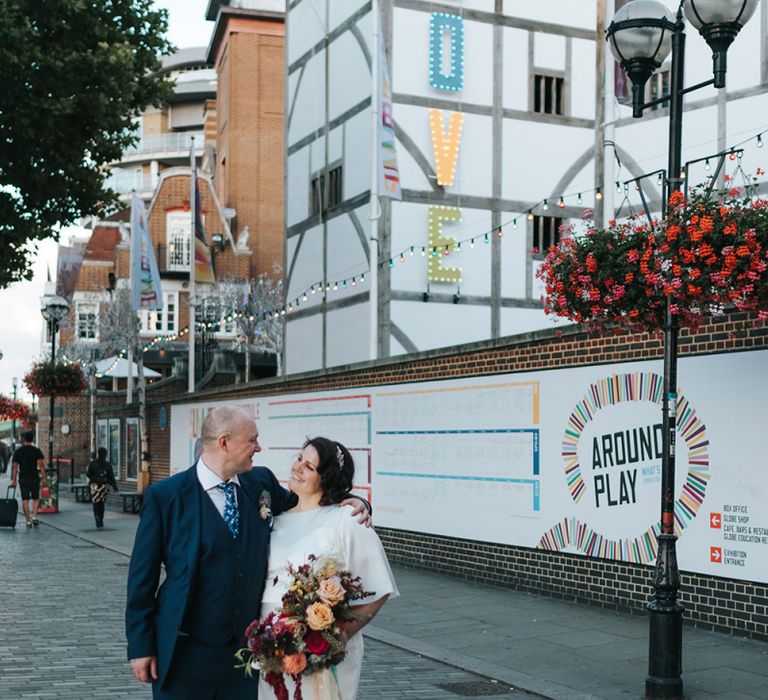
x,y
231,513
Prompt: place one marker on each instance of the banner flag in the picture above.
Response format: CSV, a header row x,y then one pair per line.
x,y
146,291
389,173
203,262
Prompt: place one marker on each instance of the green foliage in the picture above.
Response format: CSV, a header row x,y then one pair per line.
x,y
74,73
48,378
710,254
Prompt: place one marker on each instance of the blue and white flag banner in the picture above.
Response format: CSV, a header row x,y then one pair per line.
x,y
146,291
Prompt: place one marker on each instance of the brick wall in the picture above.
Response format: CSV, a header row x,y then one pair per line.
x,y
711,602
250,69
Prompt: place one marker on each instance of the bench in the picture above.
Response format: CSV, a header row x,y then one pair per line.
x,y
82,492
131,502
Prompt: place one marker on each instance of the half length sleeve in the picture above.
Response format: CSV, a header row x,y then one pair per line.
x,y
365,557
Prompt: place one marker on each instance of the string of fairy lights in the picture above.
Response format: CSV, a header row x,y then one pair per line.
x,y
475,240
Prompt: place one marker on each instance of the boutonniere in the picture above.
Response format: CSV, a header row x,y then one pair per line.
x,y
265,505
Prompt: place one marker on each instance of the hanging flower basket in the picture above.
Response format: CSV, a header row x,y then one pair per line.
x,y
13,410
49,379
709,254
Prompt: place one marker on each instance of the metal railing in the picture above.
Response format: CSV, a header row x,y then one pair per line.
x,y
174,142
125,181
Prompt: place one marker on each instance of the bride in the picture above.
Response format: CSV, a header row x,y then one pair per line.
x,y
321,477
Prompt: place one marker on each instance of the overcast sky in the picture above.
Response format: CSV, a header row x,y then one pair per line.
x,y
20,303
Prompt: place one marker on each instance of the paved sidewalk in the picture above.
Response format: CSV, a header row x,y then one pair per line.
x,y
559,650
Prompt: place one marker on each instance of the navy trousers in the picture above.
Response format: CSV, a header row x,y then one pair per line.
x,y
201,671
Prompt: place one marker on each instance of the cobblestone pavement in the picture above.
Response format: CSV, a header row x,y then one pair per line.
x,y
61,616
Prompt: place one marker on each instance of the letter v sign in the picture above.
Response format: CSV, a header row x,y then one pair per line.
x,y
446,146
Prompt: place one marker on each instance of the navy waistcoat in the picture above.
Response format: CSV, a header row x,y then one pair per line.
x,y
224,601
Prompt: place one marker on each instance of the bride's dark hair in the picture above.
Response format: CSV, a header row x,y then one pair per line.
x,y
336,469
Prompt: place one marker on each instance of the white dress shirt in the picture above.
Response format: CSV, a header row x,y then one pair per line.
x,y
210,481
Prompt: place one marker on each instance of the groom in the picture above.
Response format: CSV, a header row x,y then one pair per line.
x,y
209,526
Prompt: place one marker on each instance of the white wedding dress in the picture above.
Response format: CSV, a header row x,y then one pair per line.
x,y
326,531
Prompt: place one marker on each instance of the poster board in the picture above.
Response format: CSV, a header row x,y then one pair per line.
x,y
562,459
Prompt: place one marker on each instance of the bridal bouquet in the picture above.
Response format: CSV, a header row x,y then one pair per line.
x,y
305,634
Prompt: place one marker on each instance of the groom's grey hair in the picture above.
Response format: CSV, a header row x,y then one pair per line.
x,y
222,420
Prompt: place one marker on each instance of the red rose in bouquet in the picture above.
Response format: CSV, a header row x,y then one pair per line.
x,y
316,643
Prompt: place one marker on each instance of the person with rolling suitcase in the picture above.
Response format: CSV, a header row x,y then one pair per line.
x,y
29,466
9,508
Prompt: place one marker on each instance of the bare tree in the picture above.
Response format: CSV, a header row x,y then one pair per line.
x,y
119,331
253,308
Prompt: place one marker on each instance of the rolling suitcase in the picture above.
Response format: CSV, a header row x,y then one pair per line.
x,y
9,509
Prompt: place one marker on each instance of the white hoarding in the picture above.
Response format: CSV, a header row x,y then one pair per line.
x,y
563,459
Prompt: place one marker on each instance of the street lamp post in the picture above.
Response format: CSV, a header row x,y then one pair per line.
x,y
54,309
642,34
15,396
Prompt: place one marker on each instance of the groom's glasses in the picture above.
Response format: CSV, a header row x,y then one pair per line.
x,y
298,459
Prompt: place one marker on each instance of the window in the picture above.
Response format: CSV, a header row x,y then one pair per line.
x,y
108,436
658,86
326,196
177,225
131,448
546,232
86,321
163,321
548,93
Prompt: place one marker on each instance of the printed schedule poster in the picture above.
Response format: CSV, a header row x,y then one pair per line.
x,y
566,460
451,453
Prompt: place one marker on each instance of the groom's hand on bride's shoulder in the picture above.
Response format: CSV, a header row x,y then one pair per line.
x,y
145,669
360,509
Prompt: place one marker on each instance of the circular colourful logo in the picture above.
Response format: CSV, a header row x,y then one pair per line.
x,y
611,391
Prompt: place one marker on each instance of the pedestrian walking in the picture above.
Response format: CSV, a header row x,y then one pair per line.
x,y
100,476
29,467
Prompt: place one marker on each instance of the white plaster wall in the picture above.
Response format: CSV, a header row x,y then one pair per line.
x,y
447,324
303,344
411,120
347,256
348,335
410,59
516,321
583,79
343,9
410,53
357,154
352,76
514,256
537,155
573,13
308,106
474,175
549,51
409,227
515,69
305,27
308,267
297,186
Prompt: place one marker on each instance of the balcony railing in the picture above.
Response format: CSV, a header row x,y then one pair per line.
x,y
175,142
125,182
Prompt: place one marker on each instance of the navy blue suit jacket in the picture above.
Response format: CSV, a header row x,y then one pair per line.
x,y
169,535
